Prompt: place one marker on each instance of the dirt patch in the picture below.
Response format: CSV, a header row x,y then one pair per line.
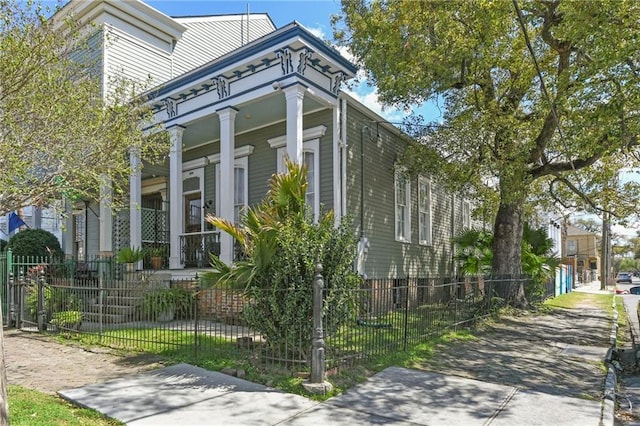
x,y
39,362
533,351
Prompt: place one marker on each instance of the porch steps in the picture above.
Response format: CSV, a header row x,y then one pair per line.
x,y
119,307
123,301
112,314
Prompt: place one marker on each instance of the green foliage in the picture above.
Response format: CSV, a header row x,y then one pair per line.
x,y
179,300
56,299
474,252
49,75
35,242
283,246
562,148
129,255
67,319
33,408
3,245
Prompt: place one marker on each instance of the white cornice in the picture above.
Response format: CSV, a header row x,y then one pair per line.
x,y
194,164
242,151
135,12
308,134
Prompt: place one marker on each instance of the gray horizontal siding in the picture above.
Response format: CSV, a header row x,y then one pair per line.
x,y
388,257
212,37
135,60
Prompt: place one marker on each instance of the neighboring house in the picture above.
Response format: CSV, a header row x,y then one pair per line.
x,y
581,251
46,218
236,96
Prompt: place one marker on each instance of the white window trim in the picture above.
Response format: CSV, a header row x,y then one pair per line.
x,y
197,173
312,146
466,215
240,162
308,134
429,240
407,219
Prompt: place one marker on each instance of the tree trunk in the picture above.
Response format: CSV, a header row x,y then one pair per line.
x,y
507,252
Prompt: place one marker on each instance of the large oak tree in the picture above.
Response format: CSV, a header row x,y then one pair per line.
x,y
540,100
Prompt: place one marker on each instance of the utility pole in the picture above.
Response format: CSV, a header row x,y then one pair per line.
x,y
604,252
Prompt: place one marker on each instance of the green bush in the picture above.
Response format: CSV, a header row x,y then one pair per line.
x,y
282,244
3,245
55,300
35,242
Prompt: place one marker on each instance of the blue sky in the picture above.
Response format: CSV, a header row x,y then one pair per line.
x,y
314,15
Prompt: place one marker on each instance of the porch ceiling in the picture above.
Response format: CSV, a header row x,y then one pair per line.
x,y
264,112
261,113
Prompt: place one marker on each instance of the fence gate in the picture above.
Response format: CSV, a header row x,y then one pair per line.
x,y
21,288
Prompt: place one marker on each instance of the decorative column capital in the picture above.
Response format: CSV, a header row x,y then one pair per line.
x,y
295,91
228,113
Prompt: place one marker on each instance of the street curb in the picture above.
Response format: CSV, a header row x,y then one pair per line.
x,y
611,381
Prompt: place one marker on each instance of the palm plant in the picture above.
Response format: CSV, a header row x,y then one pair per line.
x,y
474,252
282,246
257,233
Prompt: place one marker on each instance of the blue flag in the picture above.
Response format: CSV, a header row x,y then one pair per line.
x,y
15,222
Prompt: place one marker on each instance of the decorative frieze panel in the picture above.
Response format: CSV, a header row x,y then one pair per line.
x,y
305,55
221,85
286,60
171,106
337,80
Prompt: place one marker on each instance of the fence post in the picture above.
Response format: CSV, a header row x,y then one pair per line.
x,y
406,316
20,298
196,336
11,295
317,383
42,312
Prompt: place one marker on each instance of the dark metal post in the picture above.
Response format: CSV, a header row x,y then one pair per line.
x,y
11,294
20,298
405,337
42,313
318,355
196,336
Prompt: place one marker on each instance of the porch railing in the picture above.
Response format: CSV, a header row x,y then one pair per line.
x,y
196,248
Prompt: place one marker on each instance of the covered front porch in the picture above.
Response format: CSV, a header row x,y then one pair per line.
x,y
231,124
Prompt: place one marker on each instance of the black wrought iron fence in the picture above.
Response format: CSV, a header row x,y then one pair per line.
x,y
146,311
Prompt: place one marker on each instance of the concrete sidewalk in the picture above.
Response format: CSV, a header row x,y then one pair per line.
x,y
188,395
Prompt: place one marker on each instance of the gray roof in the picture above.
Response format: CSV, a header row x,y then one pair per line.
x,y
209,37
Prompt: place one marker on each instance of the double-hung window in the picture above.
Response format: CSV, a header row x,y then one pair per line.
x,y
403,207
311,159
240,182
466,215
424,210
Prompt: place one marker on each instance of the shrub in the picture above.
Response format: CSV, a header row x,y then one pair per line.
x,y
35,242
282,245
3,245
55,300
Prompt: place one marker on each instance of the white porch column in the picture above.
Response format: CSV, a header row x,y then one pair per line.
x,y
106,216
135,200
225,209
176,220
37,217
336,175
294,96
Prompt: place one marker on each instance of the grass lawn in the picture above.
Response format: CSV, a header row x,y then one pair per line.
x,y
577,300
32,408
